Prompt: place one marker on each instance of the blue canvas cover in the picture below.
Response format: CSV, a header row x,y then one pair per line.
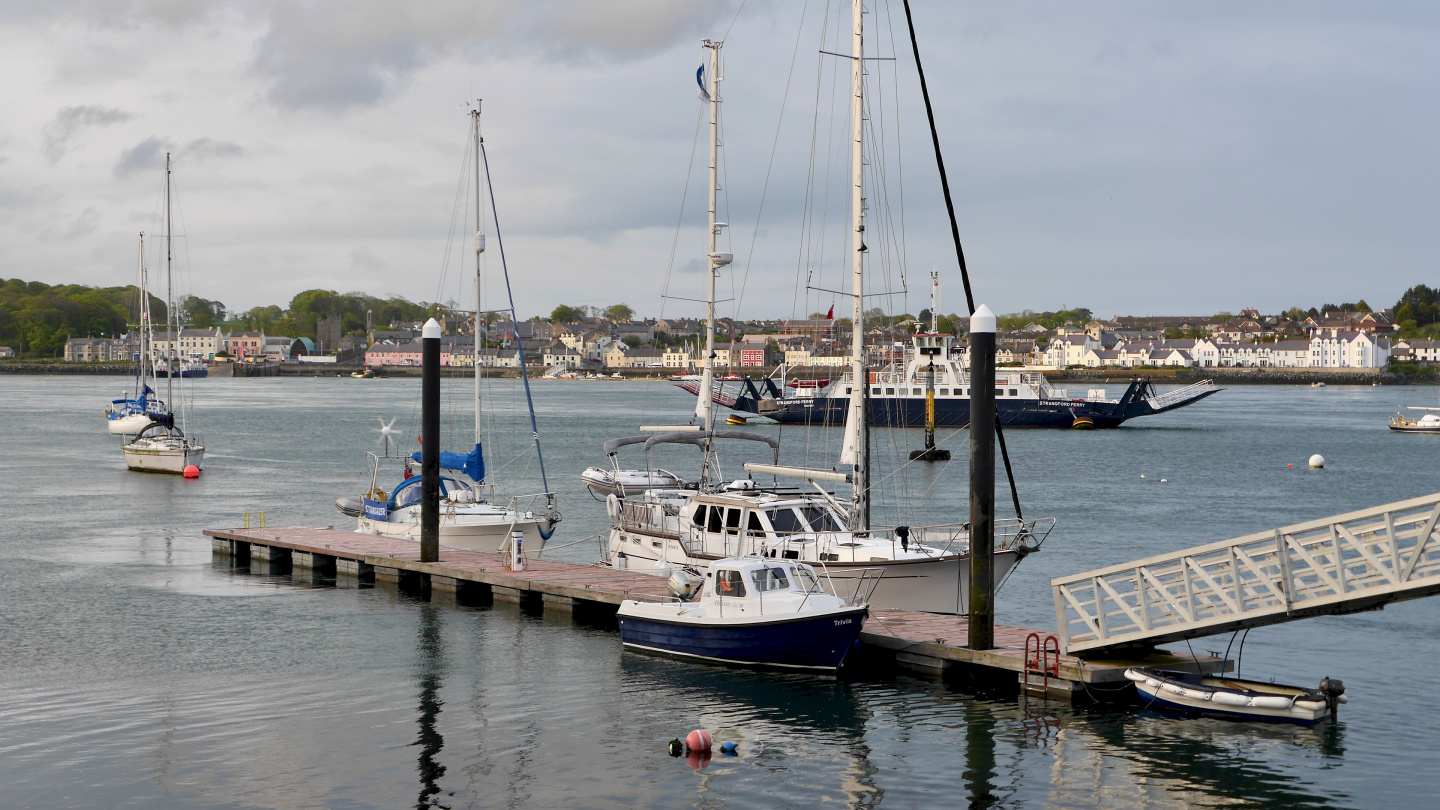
x,y
471,463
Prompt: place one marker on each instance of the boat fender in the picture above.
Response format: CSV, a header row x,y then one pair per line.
x,y
1138,677
698,740
1230,699
1342,699
1271,702
729,748
612,506
1196,694
1310,704
1152,683
676,747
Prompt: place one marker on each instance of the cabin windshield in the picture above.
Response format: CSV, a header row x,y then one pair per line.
x,y
821,520
785,521
805,579
770,579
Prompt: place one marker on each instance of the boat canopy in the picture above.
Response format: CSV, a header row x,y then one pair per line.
x,y
471,463
613,446
699,438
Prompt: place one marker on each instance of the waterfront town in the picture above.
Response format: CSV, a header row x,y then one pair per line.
x,y
1327,339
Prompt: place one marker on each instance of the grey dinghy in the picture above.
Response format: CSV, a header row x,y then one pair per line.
x,y
1238,699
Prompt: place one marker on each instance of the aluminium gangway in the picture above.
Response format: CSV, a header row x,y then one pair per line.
x,y
1357,561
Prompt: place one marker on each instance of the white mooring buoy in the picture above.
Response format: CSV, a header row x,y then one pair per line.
x,y
1317,462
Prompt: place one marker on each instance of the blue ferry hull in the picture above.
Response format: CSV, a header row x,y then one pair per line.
x,y
811,642
955,412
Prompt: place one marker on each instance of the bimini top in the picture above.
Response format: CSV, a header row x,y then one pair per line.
x,y
699,438
613,446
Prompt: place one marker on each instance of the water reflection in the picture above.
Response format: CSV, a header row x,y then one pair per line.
x,y
430,663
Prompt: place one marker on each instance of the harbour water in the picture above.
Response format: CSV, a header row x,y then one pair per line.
x,y
140,672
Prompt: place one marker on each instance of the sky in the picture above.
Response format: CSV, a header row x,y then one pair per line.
x,y
1129,157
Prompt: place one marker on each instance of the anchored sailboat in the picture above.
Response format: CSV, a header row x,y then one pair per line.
x,y
165,446
132,413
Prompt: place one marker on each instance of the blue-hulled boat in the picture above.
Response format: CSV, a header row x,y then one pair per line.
x,y
751,612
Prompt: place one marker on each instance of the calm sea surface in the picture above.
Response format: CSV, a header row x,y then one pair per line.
x,y
138,671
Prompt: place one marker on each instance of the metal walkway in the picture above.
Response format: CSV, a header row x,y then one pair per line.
x,y
1356,561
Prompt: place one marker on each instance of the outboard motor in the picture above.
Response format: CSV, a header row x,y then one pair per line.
x,y
1334,692
683,586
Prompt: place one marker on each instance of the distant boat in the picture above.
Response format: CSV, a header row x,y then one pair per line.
x,y
1237,699
1428,423
165,446
131,414
367,374
751,612
1317,384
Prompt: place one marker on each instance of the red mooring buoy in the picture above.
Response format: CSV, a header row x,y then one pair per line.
x,y
698,740
192,471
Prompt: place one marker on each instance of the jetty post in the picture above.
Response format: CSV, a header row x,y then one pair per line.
x,y
982,479
430,442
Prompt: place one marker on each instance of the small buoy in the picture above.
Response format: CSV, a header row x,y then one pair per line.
x,y
698,740
1317,462
729,748
676,748
1289,465
194,472
1142,477
1164,480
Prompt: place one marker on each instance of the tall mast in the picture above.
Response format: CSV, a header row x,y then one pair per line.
x,y
170,337
705,407
856,449
479,249
934,300
143,322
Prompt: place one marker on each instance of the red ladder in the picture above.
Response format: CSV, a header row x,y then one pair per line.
x,y
1038,660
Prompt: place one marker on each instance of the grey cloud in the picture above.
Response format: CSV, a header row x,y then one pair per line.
x,y
211,148
69,122
84,224
148,154
364,258
334,54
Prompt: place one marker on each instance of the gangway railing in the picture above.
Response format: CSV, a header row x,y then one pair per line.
x,y
1165,400
1351,562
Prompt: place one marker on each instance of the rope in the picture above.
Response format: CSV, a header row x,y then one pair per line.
x,y
955,234
568,545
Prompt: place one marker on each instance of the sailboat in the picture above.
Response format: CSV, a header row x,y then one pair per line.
x,y
471,517
165,446
924,568
132,413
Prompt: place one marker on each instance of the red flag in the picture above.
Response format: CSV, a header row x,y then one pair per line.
x,y
830,316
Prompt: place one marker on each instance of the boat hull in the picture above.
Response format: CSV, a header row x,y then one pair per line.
x,y
491,537
813,642
1410,429
1197,699
939,585
168,460
129,424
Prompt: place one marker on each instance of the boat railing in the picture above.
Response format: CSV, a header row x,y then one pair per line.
x,y
865,585
1011,534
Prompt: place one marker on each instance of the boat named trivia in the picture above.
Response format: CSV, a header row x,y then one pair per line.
x,y
1237,699
770,614
896,395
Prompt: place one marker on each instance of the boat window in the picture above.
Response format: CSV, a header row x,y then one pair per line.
x,y
944,392
875,390
714,522
917,391
785,521
732,519
805,579
729,583
755,525
889,391
700,516
770,579
821,520
1013,392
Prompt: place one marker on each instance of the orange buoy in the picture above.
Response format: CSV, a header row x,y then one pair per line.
x,y
698,740
192,471
1289,465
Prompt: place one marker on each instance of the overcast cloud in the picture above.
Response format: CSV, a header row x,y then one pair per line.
x,y
1130,157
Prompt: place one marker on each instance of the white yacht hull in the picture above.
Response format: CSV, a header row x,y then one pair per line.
x,y
937,585
128,425
491,536
163,460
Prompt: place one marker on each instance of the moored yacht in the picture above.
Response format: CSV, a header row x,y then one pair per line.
x,y
1428,423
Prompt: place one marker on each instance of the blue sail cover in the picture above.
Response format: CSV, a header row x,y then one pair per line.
x,y
471,463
